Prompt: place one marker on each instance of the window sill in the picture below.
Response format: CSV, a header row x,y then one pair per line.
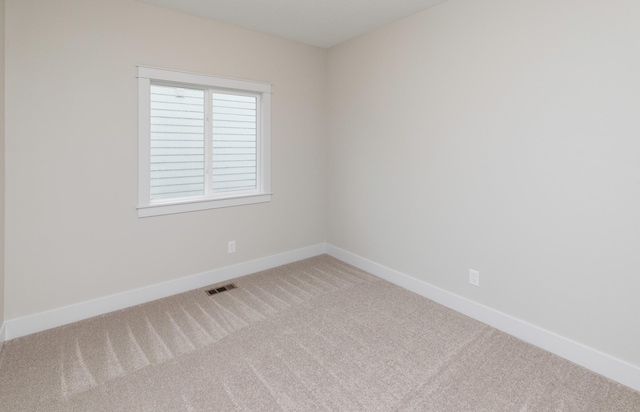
x,y
202,204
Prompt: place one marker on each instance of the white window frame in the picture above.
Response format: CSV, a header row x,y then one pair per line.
x,y
262,194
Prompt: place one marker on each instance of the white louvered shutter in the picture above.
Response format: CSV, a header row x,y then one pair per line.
x,y
235,142
177,142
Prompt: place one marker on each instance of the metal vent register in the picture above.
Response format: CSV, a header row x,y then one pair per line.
x,y
221,289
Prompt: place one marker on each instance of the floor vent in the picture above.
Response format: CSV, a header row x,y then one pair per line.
x,y
221,289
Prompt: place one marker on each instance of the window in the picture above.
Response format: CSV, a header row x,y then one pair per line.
x,y
204,142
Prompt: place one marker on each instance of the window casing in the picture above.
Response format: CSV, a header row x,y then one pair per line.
x,y
204,142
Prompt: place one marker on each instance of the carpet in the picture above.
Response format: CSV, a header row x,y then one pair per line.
x,y
317,334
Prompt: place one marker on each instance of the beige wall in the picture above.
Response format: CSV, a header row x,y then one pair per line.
x,y
498,135
72,233
503,136
2,197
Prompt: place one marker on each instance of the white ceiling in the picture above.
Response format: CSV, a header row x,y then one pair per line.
x,y
322,23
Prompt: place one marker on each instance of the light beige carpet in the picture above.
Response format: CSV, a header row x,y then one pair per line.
x,y
313,335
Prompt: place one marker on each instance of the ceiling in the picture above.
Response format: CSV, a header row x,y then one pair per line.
x,y
322,23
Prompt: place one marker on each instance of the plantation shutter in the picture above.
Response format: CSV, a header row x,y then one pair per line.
x,y
177,142
235,142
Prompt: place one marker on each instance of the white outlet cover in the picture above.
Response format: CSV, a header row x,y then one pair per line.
x,y
474,277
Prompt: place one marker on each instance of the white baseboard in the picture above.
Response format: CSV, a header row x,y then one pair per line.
x,y
606,365
3,331
38,322
601,363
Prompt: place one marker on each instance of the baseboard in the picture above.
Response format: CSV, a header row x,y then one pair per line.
x,y
601,363
3,337
38,322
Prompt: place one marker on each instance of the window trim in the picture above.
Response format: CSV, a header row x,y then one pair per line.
x,y
147,76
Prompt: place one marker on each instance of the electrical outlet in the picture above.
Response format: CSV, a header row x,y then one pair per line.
x,y
474,277
231,246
